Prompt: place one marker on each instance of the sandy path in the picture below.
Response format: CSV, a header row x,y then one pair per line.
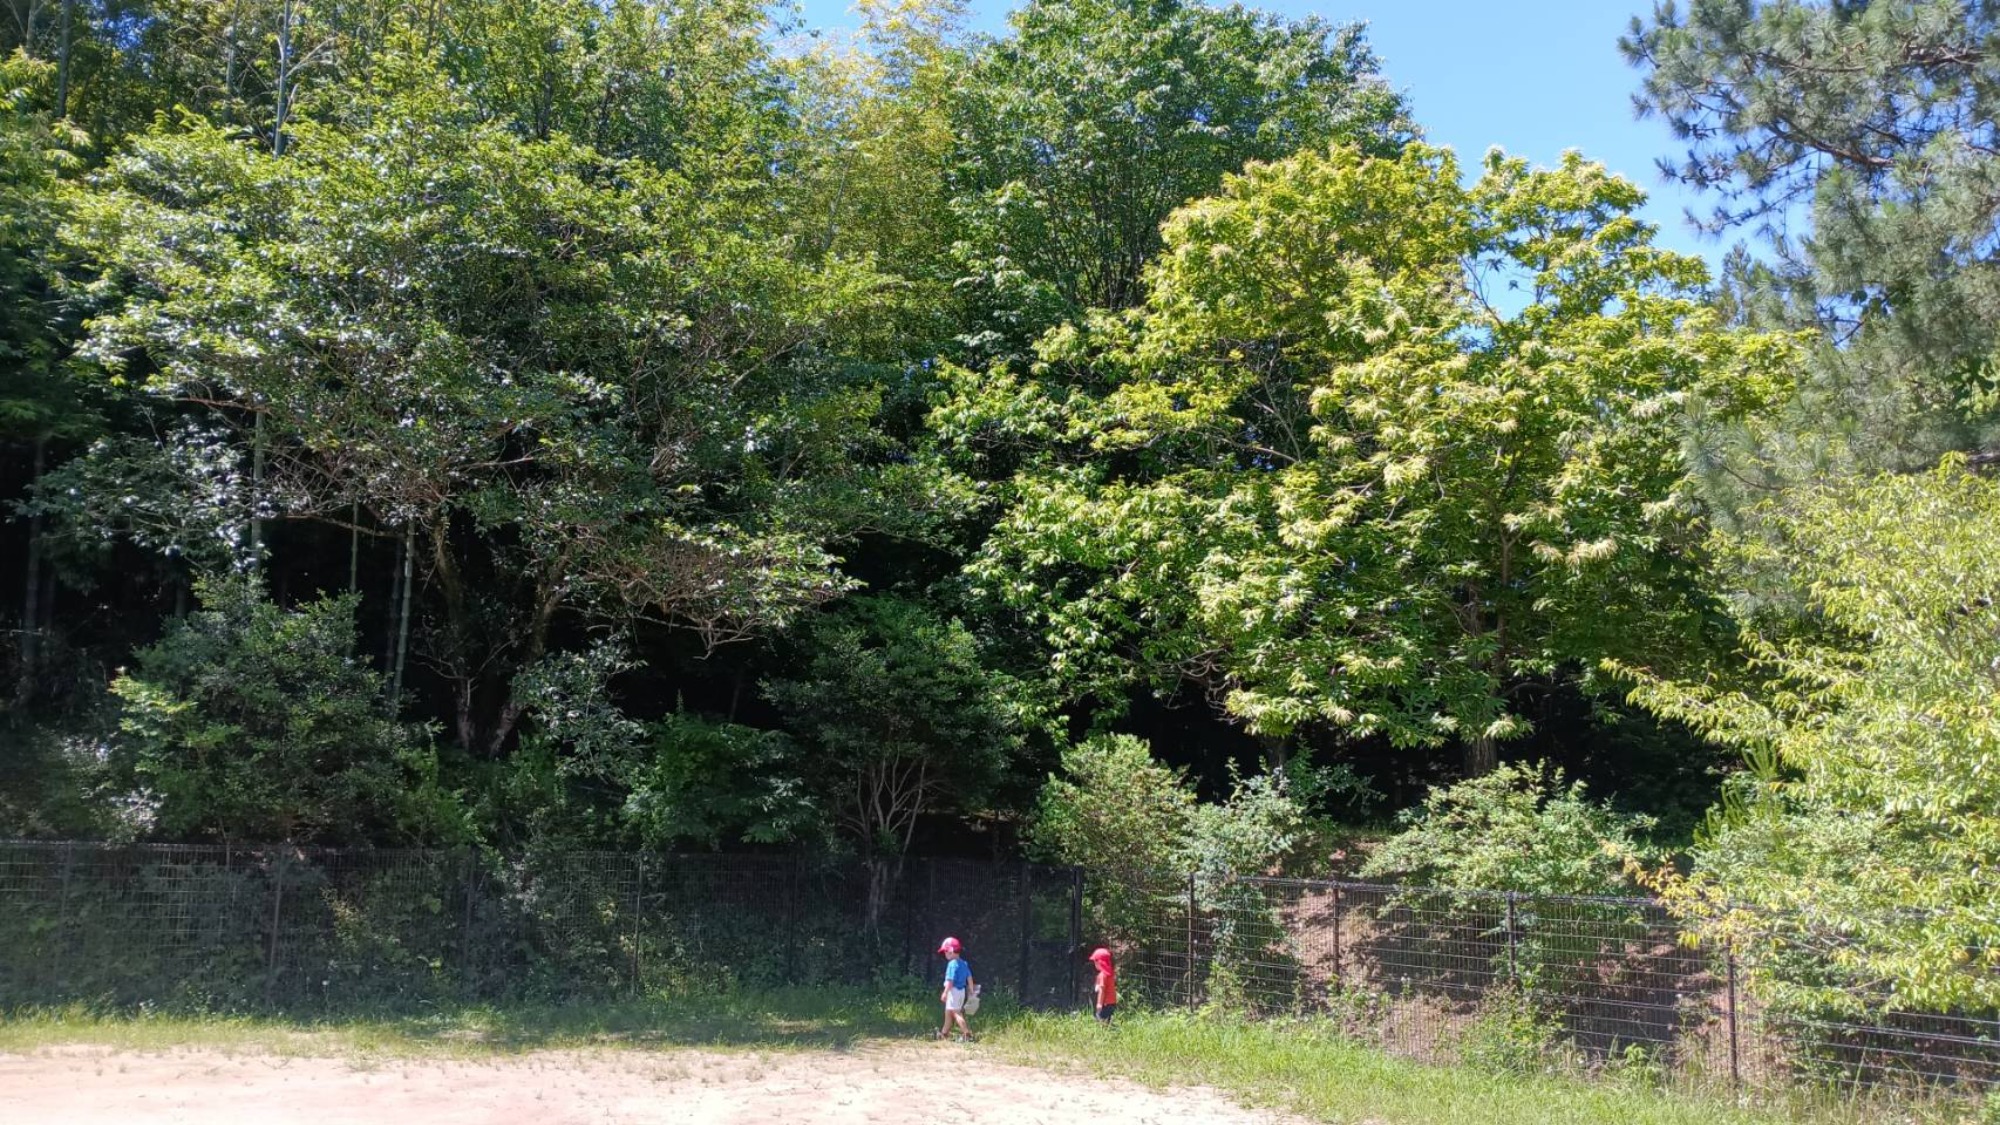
x,y
880,1085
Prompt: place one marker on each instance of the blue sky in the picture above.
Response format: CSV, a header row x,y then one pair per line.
x,y
1532,76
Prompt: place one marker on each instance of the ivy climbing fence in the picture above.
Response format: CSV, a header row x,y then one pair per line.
x,y
1537,982
236,928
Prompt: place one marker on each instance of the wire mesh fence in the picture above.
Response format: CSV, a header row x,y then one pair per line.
x,y
229,927
1530,982
1510,979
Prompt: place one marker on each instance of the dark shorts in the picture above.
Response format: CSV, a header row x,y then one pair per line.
x,y
1106,1012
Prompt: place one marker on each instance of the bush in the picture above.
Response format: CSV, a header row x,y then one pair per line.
x,y
1519,828
1256,829
1135,824
904,715
711,783
1509,1036
1118,813
252,722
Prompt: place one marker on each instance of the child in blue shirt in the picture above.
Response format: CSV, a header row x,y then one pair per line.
x,y
958,984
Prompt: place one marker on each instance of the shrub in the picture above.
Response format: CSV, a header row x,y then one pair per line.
x,y
1135,824
904,716
248,721
1115,811
1518,828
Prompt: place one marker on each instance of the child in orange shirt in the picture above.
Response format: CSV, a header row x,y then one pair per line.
x,y
1106,990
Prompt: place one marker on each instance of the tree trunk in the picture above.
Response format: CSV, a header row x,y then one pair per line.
x,y
467,715
62,63
1482,756
284,78
257,493
883,875
31,604
395,601
354,547
403,616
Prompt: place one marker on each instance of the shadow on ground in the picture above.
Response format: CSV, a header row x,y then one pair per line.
x,y
820,1019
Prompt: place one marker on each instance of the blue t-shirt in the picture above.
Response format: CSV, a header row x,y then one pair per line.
x,y
957,974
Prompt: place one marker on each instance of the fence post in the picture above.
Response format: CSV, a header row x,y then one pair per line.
x,y
62,951
911,964
638,915
1027,929
1339,977
1729,960
469,873
792,919
1075,930
1190,941
277,916
1513,970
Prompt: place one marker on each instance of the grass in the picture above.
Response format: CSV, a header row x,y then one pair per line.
x,y
1299,1067
1309,1071
793,1019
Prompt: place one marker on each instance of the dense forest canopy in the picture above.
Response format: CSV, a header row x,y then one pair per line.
x,y
543,423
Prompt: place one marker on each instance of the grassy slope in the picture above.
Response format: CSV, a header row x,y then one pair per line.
x,y
1286,1068
1327,1080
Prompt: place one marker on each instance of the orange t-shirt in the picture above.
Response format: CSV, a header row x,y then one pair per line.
x,y
1107,988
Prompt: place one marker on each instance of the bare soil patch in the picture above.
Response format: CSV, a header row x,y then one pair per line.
x,y
891,1084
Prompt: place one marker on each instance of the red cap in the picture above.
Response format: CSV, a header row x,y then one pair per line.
x,y
949,945
1101,955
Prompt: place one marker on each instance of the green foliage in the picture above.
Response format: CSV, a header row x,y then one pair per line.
x,y
50,776
1256,829
185,500
905,714
709,783
571,713
1331,484
1868,820
1114,809
1508,1036
252,722
1871,126
1082,130
562,372
1519,828
874,160
36,403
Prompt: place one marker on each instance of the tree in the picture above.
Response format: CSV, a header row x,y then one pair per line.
x,y
250,722
1867,831
39,405
907,718
1115,810
1330,483
1874,122
1082,131
1520,828
570,383
908,722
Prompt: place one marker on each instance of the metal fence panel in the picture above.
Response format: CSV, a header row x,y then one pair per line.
x,y
316,929
1588,983
1593,983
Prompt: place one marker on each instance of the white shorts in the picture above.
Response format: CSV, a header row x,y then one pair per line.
x,y
954,1000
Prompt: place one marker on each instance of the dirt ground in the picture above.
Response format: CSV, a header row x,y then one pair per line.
x,y
879,1085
